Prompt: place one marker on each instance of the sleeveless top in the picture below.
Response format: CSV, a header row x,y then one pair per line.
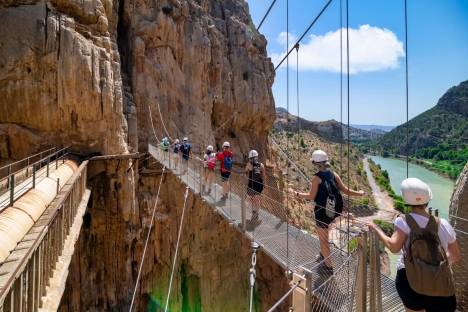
x,y
322,193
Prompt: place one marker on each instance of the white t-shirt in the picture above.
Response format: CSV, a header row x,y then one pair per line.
x,y
446,234
208,158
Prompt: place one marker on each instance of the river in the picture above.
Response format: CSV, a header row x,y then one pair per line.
x,y
442,188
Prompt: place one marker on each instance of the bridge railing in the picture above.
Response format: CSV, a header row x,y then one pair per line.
x,y
14,174
26,273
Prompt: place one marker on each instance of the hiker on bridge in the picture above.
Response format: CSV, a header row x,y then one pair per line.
x,y
225,158
175,150
209,163
186,152
165,147
325,191
257,176
428,246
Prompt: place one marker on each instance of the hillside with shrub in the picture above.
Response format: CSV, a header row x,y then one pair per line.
x,y
438,138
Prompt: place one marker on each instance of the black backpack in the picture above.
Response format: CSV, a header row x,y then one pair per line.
x,y
176,148
186,149
334,199
257,171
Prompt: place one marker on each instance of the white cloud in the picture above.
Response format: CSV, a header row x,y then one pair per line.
x,y
370,49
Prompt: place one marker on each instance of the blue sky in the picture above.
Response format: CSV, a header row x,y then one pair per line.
x,y
437,56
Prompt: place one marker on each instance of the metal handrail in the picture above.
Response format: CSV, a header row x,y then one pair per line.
x,y
34,163
4,291
16,162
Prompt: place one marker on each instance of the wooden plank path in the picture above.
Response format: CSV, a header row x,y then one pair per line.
x,y
287,245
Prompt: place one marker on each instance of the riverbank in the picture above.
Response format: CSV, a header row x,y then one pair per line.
x,y
384,202
426,165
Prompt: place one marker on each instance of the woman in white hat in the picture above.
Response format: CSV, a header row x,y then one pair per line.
x,y
209,164
325,183
417,195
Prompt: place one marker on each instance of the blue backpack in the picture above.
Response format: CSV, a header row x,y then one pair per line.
x,y
166,142
227,162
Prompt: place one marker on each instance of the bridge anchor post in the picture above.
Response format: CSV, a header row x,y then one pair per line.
x,y
361,276
302,294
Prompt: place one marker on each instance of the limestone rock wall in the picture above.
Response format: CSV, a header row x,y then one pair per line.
x,y
193,64
60,78
459,208
100,75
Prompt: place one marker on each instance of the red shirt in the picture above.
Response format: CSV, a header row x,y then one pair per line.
x,y
221,156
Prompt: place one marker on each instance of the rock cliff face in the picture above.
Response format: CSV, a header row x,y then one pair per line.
x,y
459,208
99,75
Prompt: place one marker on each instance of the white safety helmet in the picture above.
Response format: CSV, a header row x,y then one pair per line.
x,y
415,192
226,144
209,148
319,156
185,139
177,141
253,153
165,139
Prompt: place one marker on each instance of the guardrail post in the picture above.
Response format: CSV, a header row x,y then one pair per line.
x,y
58,185
31,283
375,284
12,189
56,159
302,295
436,212
48,162
244,221
361,276
27,166
34,176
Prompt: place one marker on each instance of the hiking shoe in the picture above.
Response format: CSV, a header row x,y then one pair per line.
x,y
319,258
223,198
208,192
254,216
324,270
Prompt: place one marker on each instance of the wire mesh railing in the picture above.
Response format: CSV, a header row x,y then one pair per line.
x,y
275,228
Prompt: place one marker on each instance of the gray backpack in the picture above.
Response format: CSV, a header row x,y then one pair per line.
x,y
427,267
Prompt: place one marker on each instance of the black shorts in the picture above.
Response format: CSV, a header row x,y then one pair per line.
x,y
225,175
321,218
414,301
254,189
185,159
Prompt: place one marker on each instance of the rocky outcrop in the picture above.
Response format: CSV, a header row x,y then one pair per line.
x,y
60,78
459,209
455,99
107,77
193,65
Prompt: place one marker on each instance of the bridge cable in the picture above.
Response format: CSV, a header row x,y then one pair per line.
x,y
177,247
303,35
341,95
347,74
407,105
152,125
298,115
147,239
162,121
263,19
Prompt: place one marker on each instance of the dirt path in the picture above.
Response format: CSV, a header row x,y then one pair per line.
x,y
384,202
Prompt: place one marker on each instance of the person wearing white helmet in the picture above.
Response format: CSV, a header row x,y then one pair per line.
x,y
325,192
209,163
186,152
175,150
165,147
225,158
417,195
257,176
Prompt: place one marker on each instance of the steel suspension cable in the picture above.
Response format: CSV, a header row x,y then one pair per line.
x,y
407,105
263,19
341,84
298,115
347,74
147,239
162,121
303,35
177,247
